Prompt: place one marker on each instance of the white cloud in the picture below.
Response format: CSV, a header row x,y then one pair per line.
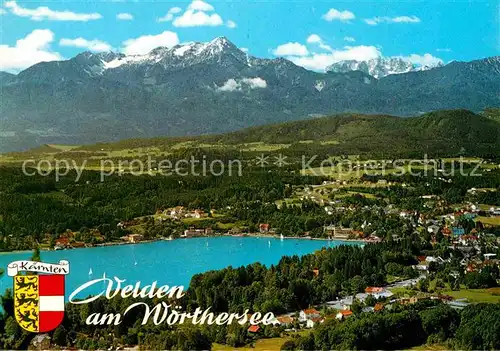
x,y
255,83
406,19
33,48
325,47
197,15
349,39
192,18
2,11
124,16
92,45
291,49
320,61
170,14
313,39
44,13
237,85
443,50
336,15
423,60
231,24
230,85
175,10
198,5
316,39
146,43
399,19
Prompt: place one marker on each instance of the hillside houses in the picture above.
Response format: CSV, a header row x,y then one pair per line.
x,y
126,224
378,292
133,238
285,321
194,232
67,240
180,212
343,314
311,317
309,313
338,232
311,323
264,228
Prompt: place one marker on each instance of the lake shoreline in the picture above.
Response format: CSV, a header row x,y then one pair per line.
x,y
243,235
168,262
274,236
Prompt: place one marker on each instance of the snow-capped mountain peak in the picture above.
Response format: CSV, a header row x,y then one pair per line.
x,y
378,67
185,54
220,44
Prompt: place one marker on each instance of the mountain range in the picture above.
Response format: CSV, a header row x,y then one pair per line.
x,y
379,67
214,87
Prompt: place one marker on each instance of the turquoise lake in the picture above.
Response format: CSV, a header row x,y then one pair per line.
x,y
167,262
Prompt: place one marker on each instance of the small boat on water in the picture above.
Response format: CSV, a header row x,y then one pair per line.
x,y
282,237
90,271
269,243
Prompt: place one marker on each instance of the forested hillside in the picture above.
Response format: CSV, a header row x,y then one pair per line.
x,y
440,133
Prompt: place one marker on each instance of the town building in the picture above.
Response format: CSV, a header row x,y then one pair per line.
x,y
193,232
311,323
285,320
338,232
133,238
343,314
309,313
264,227
254,329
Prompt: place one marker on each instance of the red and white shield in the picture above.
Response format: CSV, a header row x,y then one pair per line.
x,y
51,303
38,298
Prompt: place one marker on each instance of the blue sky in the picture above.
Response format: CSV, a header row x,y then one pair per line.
x,y
311,33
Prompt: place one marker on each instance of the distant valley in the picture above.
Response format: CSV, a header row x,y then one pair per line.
x,y
447,133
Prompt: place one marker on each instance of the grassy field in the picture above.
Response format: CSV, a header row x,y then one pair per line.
x,y
262,147
491,295
349,173
490,220
192,220
64,147
272,344
486,207
260,345
434,347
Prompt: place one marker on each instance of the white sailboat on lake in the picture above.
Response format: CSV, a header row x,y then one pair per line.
x,y
133,255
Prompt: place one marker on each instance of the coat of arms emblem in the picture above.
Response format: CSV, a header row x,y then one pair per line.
x,y
38,294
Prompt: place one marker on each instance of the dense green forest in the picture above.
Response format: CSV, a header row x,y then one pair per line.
x,y
475,328
31,207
